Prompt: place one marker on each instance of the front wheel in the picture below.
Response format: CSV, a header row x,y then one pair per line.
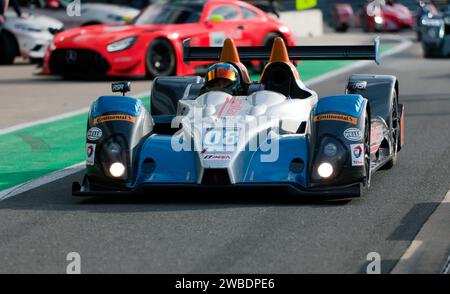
x,y
367,149
8,48
160,59
394,127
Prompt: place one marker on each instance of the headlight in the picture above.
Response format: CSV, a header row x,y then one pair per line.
x,y
121,44
28,28
378,19
117,169
447,20
115,17
431,22
325,170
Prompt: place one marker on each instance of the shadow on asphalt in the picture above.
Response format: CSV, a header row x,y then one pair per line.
x,y
425,98
57,196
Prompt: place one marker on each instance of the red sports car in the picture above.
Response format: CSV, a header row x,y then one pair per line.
x,y
152,44
390,16
376,15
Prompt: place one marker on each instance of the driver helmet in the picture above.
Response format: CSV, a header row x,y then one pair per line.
x,y
223,76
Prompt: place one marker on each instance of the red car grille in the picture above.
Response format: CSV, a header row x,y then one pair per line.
x,y
78,62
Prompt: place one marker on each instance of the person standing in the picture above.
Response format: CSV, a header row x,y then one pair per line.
x,y
3,8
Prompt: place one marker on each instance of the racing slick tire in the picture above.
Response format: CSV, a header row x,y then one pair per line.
x,y
367,129
342,28
8,48
431,52
90,23
394,126
160,59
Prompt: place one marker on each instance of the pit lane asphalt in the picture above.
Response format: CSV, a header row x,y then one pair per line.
x,y
248,233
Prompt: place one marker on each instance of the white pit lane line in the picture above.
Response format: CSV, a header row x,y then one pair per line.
x,y
429,252
32,184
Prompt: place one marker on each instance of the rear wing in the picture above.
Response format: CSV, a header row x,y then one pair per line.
x,y
341,52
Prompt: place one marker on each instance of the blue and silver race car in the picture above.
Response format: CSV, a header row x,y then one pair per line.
x,y
434,30
224,131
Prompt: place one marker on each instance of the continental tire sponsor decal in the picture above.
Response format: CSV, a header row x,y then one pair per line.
x,y
114,117
336,117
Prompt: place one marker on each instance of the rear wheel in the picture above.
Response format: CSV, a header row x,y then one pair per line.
x,y
367,148
90,23
160,59
8,48
394,126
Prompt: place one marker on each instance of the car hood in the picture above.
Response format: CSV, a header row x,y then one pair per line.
x,y
103,34
34,21
112,9
398,10
223,128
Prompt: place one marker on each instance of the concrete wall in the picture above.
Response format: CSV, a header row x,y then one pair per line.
x,y
307,23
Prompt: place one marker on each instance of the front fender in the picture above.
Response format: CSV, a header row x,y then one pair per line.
x,y
115,129
340,121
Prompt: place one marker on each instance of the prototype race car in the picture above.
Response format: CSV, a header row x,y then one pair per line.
x,y
425,8
224,131
27,36
152,45
435,34
374,16
86,14
391,16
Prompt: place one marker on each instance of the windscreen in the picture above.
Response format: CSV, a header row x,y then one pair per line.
x,y
169,14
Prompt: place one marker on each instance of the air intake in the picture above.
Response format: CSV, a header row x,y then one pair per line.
x,y
216,177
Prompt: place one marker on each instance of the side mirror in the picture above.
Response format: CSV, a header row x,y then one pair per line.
x,y
122,87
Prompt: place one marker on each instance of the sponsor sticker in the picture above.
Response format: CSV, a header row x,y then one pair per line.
x,y
114,117
216,157
357,151
216,39
353,134
359,85
90,154
94,134
336,117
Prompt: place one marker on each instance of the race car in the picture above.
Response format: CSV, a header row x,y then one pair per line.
x,y
435,34
391,16
84,15
373,16
224,131
425,8
342,17
27,36
152,45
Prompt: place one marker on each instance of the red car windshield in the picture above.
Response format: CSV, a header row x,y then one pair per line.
x,y
169,14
